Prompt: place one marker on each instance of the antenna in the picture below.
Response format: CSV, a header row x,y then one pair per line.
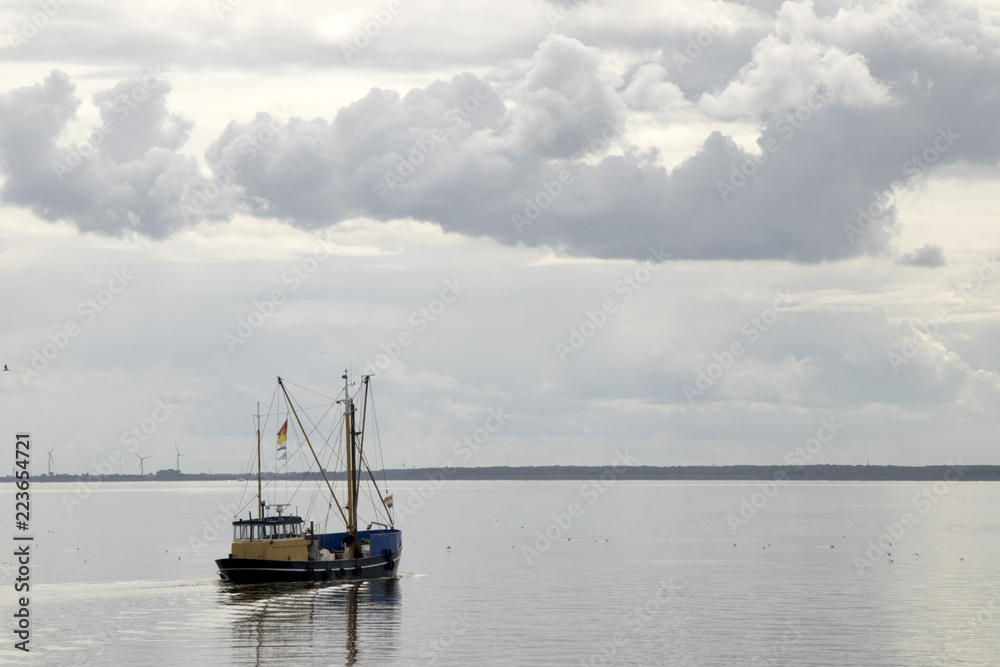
x,y
141,460
178,466
51,460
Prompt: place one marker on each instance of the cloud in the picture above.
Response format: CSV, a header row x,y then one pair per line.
x,y
784,75
544,154
926,255
125,177
650,91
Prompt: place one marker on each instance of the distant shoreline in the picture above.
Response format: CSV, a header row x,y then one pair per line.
x,y
831,473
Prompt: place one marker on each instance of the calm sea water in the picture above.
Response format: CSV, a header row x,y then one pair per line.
x,y
635,574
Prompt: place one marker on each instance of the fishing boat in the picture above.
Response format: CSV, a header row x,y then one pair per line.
x,y
278,546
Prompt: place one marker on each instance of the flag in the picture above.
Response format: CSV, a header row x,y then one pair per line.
x,y
282,436
388,501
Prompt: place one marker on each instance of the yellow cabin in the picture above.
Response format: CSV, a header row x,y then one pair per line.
x,y
270,538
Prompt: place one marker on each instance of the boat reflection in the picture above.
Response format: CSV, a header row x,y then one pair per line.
x,y
277,624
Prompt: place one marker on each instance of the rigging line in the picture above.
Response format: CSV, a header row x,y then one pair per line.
x,y
333,453
243,491
262,426
381,501
336,447
378,448
368,492
332,494
313,496
307,464
310,407
315,426
254,420
302,481
311,391
375,484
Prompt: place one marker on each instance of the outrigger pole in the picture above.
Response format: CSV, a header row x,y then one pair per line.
x,y
316,458
260,502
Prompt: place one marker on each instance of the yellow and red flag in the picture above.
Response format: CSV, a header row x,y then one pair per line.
x,y
283,433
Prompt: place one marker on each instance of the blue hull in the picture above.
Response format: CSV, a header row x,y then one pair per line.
x,y
251,571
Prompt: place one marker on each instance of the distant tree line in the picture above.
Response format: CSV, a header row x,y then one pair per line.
x,y
844,473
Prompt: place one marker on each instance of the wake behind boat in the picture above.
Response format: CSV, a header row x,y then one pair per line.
x,y
277,547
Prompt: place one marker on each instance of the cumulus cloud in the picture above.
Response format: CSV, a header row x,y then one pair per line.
x,y
926,255
649,90
127,175
846,114
784,75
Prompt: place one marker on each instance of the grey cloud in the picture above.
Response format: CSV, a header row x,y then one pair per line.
x,y
126,177
136,109
926,255
818,188
533,160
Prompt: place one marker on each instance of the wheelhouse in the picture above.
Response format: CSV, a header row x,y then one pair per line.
x,y
268,528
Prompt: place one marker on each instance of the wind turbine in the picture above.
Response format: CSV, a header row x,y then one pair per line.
x,y
178,457
51,460
141,459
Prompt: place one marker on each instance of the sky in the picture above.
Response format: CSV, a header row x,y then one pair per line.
x,y
690,232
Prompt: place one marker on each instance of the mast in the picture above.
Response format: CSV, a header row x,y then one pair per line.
x,y
352,509
260,503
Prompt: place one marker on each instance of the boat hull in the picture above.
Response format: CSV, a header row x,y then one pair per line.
x,y
254,571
